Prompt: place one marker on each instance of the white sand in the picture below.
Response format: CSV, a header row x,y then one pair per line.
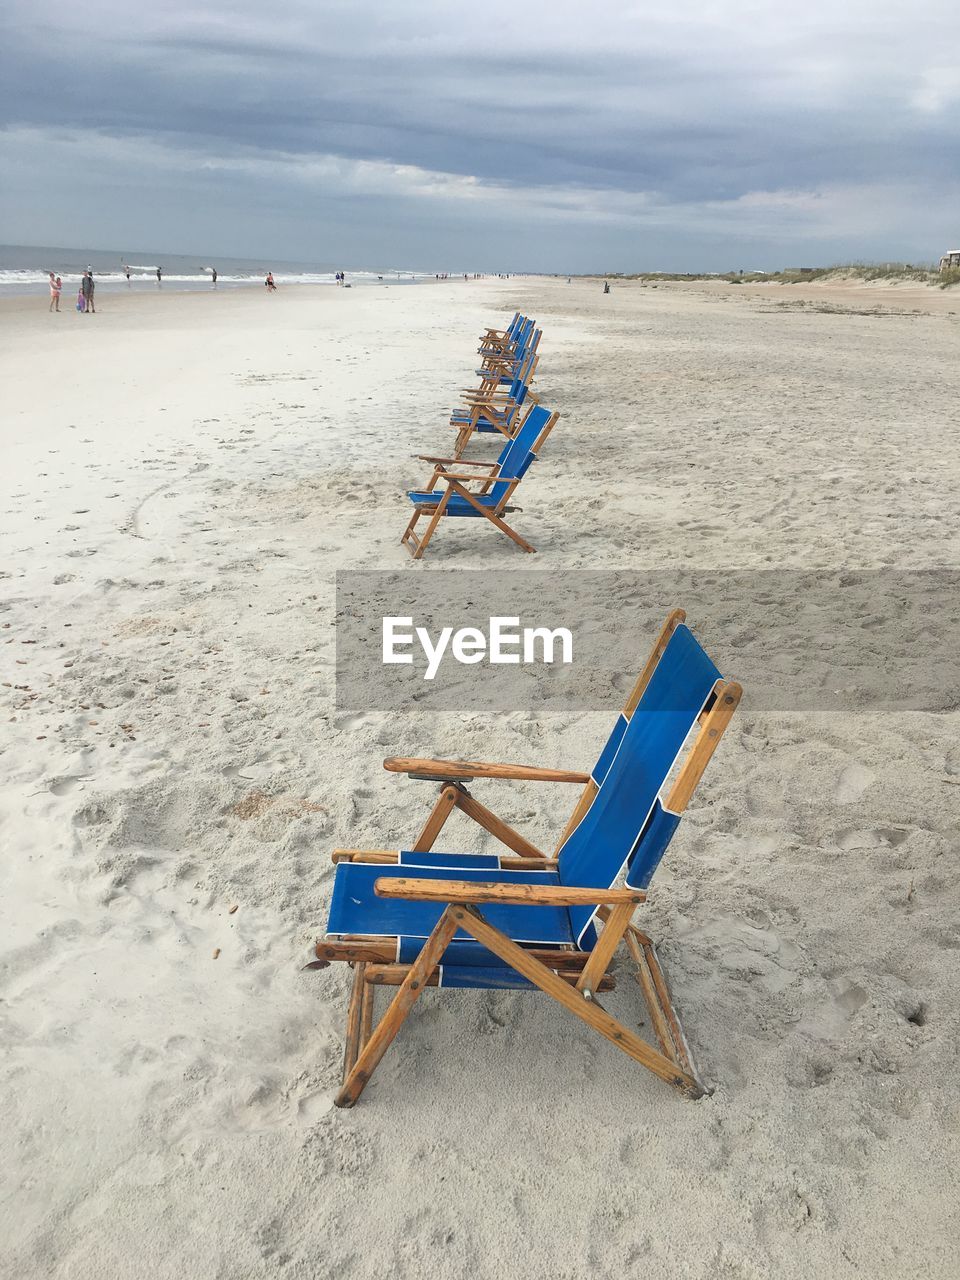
x,y
184,474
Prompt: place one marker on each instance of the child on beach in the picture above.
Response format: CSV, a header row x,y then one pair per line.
x,y
81,299
55,286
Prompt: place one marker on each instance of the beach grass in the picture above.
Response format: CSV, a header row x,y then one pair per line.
x,y
868,272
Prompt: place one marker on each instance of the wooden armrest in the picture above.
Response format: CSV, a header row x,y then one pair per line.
x,y
459,770
534,895
462,462
361,855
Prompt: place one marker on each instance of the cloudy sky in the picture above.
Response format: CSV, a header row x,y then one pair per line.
x,y
523,135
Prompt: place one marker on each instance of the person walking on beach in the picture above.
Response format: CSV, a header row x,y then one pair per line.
x,y
126,272
214,270
271,287
159,275
55,286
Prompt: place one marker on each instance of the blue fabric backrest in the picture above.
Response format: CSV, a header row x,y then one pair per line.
x,y
517,456
599,771
521,383
634,766
518,389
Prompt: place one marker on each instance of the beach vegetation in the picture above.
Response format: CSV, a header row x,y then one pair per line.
x,y
868,272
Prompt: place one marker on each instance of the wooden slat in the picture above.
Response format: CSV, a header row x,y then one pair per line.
x,y
708,739
357,950
656,653
364,855
384,951
610,937
391,975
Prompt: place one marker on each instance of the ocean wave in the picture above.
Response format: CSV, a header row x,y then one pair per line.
x,y
32,277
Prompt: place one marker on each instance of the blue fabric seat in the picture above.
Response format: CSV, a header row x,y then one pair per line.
x,y
356,910
457,506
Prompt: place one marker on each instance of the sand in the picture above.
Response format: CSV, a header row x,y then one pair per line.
x,y
183,474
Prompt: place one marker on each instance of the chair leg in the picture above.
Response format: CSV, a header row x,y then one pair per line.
x,y
653,984
446,802
462,440
407,995
409,538
470,919
431,527
366,1008
354,1019
512,534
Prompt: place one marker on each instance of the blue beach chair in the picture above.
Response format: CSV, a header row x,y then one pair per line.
x,y
417,918
491,412
502,340
526,335
498,370
495,483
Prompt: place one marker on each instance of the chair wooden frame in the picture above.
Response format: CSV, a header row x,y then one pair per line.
x,y
498,408
569,976
501,341
496,368
456,482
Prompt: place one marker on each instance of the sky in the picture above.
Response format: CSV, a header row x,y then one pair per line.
x,y
521,136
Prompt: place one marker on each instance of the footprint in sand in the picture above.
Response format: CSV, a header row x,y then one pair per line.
x,y
877,838
853,782
64,785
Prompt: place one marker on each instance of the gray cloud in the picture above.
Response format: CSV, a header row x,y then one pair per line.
x,y
630,137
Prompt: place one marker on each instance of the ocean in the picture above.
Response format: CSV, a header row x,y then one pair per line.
x,y
23,270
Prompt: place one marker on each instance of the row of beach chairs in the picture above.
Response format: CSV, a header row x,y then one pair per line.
x,y
525,919
502,405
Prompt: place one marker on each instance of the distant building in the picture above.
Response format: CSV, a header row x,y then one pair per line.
x,y
950,260
798,271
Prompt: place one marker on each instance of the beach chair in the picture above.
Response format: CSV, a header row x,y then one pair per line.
x,y
499,369
495,483
416,918
490,334
492,412
503,340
